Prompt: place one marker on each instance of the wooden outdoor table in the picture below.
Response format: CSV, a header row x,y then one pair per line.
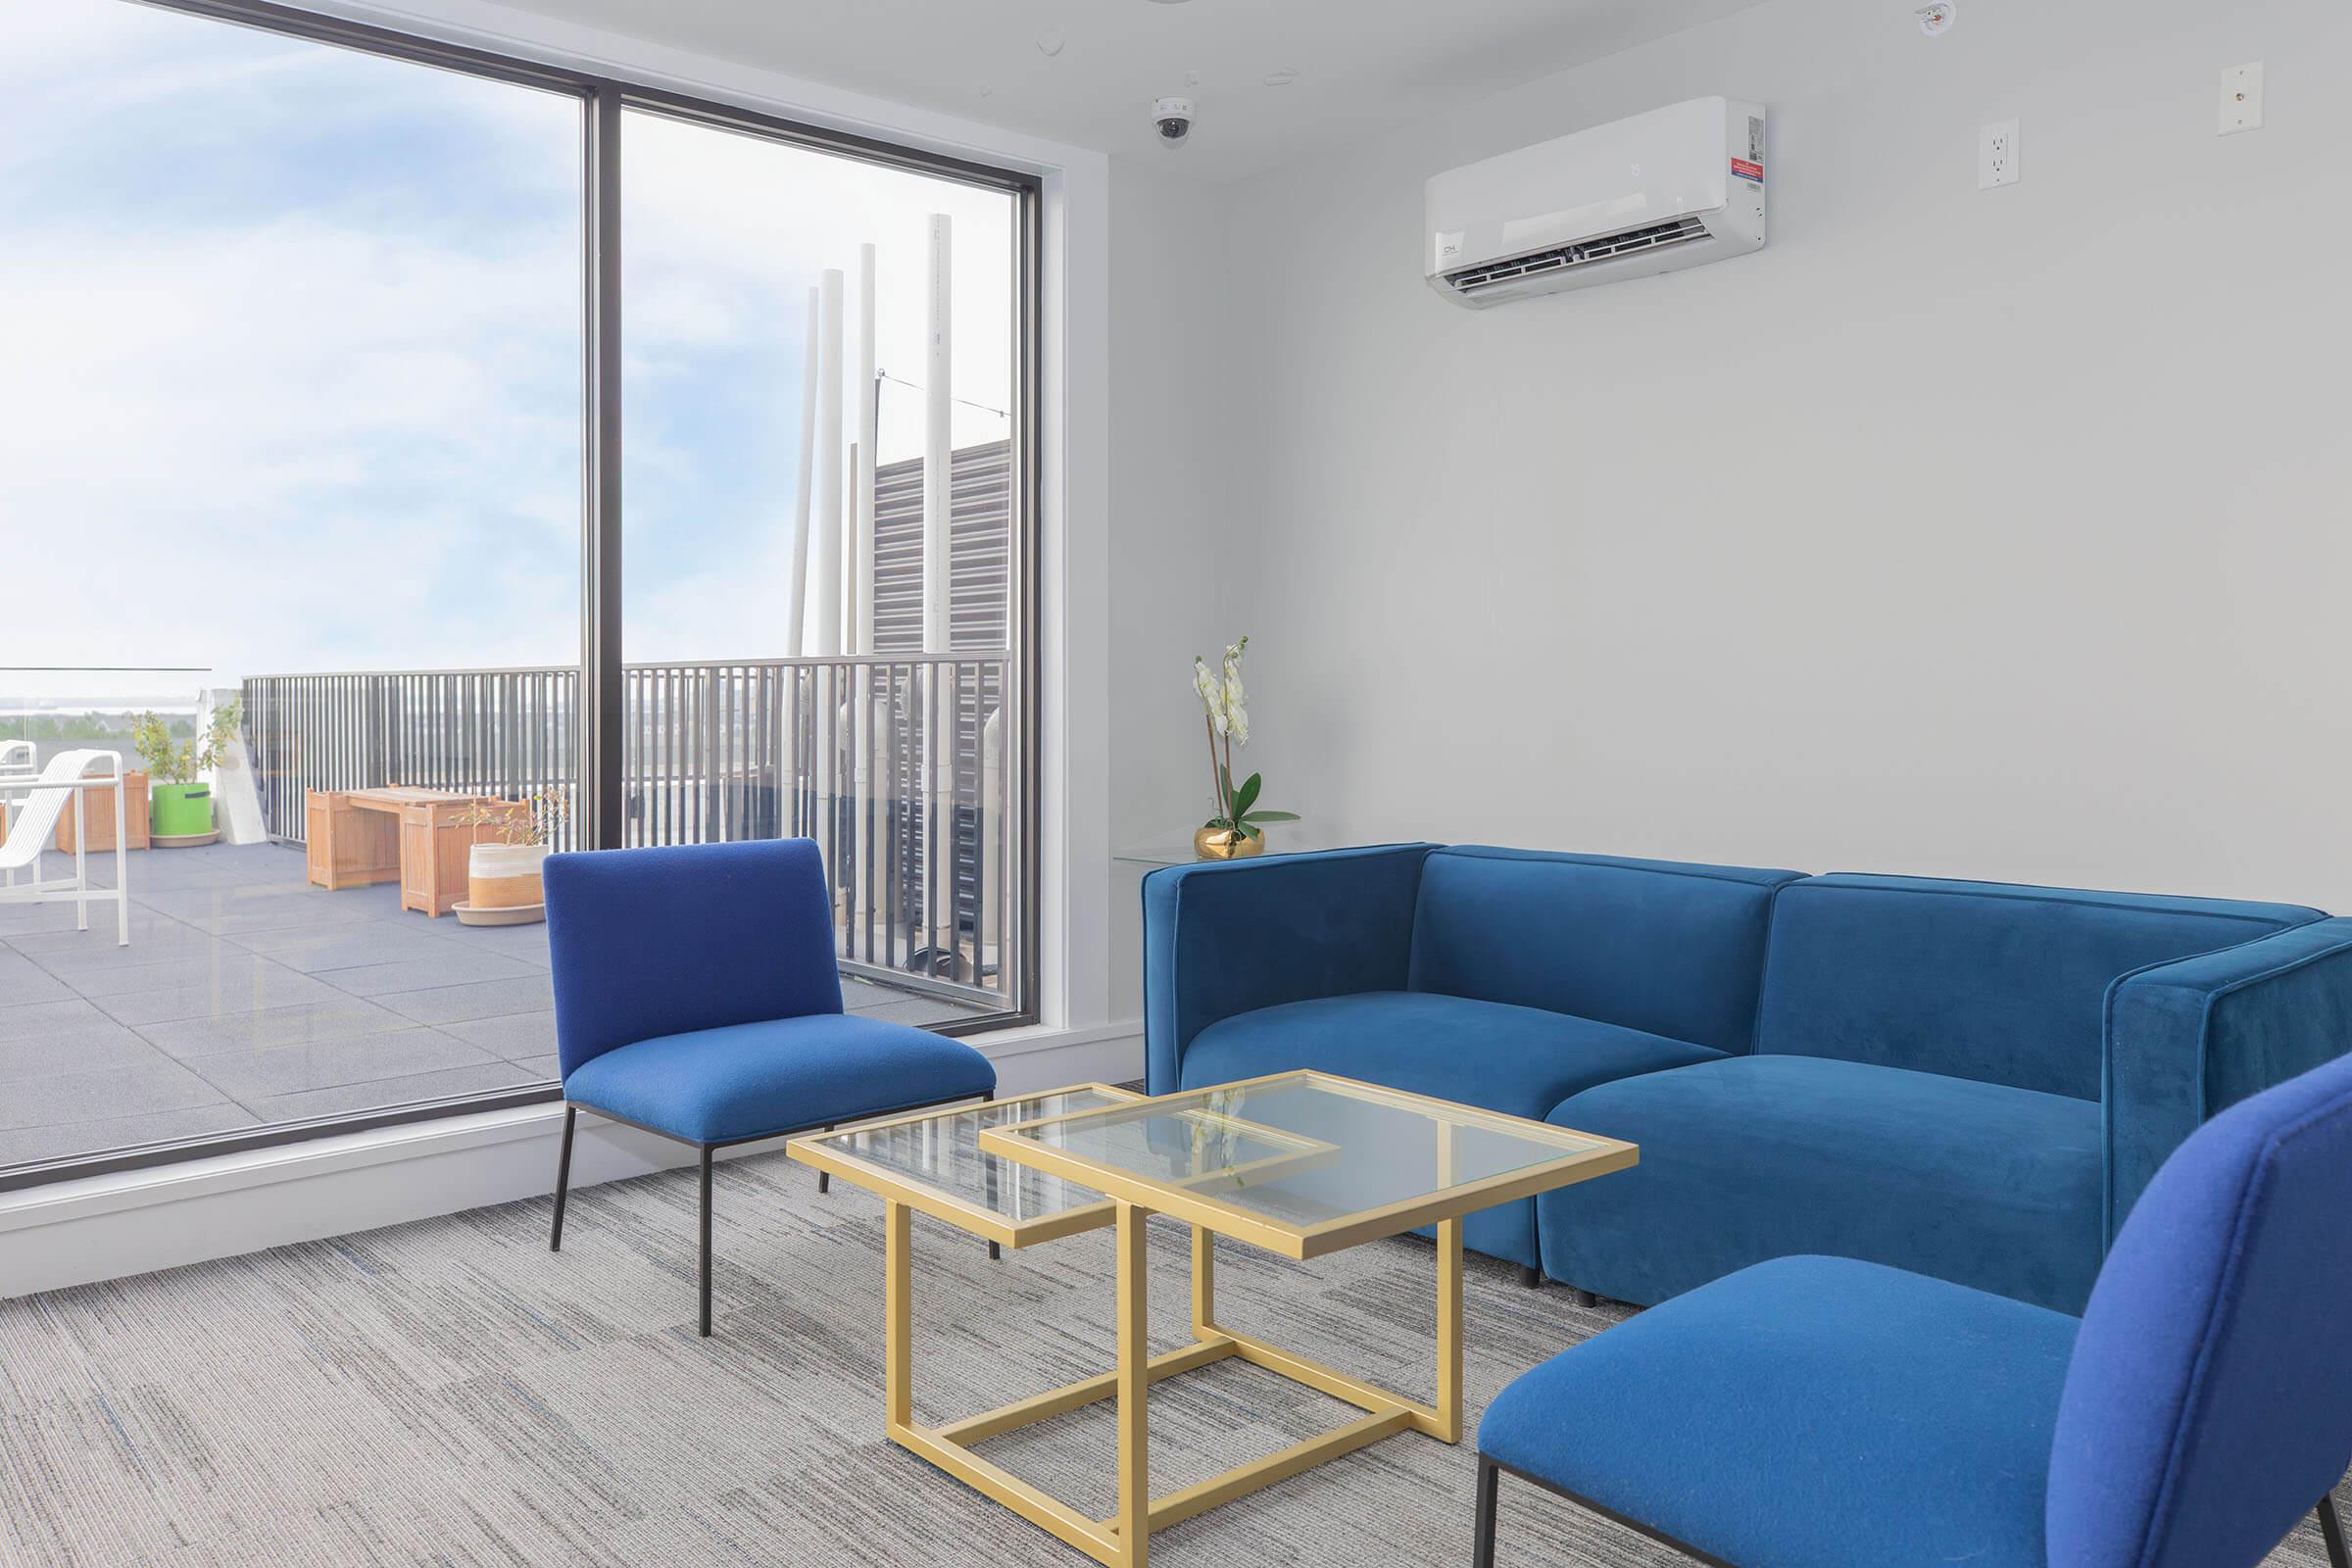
x,y
420,838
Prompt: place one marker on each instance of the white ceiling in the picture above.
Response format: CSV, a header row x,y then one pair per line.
x,y
1363,65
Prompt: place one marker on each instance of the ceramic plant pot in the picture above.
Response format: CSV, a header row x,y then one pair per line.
x,y
1224,844
505,876
180,810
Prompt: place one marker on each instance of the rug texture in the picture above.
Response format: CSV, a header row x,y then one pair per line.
x,y
451,1392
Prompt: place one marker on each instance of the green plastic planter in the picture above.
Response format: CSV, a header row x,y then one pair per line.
x,y
181,809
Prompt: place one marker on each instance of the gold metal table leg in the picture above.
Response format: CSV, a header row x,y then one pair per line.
x,y
1124,1540
1449,1400
1205,1283
1450,1332
1135,1384
898,1318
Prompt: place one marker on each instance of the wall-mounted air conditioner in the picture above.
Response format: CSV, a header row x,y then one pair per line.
x,y
1676,187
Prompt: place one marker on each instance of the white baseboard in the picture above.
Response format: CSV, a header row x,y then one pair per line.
x,y
133,1222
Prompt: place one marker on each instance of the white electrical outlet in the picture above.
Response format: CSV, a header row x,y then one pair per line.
x,y
2241,98
1996,155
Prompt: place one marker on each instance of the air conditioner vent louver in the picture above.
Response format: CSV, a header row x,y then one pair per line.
x,y
1585,253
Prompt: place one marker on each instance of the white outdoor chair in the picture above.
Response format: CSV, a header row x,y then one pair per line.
x,y
19,761
65,781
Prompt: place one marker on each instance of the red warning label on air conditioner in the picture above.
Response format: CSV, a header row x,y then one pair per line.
x,y
1747,171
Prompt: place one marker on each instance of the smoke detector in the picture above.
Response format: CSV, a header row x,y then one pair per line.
x,y
1935,20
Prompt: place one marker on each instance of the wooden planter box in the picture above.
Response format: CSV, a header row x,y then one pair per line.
x,y
100,804
415,837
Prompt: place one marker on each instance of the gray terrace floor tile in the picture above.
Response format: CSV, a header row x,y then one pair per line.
x,y
266,986
424,974
50,1039
483,999
153,938
384,1093
248,996
21,1144
343,946
154,1082
248,1075
22,981
514,1036
231,970
304,1023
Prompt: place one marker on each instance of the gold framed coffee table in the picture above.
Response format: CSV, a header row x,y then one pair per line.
x,y
1302,1164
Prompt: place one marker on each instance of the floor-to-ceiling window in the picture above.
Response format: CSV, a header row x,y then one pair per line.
x,y
819,358
322,400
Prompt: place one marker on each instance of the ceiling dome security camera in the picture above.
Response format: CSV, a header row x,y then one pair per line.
x,y
1172,118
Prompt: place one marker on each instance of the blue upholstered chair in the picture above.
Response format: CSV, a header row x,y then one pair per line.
x,y
1830,1413
697,997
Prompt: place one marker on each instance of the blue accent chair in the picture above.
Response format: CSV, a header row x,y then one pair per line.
x,y
697,997
1819,1412
1965,1079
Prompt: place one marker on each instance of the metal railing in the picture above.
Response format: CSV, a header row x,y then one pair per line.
x,y
897,766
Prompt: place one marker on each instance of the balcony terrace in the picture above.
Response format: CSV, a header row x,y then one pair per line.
x,y
248,998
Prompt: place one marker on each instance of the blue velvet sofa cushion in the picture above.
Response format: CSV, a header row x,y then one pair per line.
x,y
1665,948
747,1080
2187,1040
1226,938
1753,1158
697,936
2210,1401
1521,1061
1811,1413
1998,983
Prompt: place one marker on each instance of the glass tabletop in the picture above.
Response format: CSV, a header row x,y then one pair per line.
x,y
1307,1163
934,1158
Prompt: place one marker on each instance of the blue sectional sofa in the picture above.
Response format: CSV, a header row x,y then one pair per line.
x,y
1969,1080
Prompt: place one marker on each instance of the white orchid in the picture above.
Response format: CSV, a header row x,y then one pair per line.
x,y
1224,701
1206,685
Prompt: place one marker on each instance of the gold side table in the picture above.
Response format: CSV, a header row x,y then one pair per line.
x,y
1300,1165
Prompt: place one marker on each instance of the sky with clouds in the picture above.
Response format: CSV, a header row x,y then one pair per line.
x,y
293,369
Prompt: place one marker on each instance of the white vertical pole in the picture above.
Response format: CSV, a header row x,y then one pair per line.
x,y
845,589
824,576
122,861
825,562
795,613
939,697
862,613
938,441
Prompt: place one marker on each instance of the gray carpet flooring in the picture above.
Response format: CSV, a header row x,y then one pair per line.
x,y
449,1392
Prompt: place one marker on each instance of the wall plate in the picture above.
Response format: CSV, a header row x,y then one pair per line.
x,y
2241,98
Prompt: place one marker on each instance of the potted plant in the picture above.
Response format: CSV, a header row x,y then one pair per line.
x,y
503,868
1238,830
180,807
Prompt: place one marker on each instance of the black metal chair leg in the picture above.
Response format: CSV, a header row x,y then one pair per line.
x,y
705,1241
824,1182
1530,1275
555,1235
1587,1299
995,1253
2332,1531
1489,1482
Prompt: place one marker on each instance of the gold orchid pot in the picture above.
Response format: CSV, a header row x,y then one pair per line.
x,y
1238,830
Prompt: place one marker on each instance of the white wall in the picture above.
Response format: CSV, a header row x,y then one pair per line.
x,y
1171,495
1991,534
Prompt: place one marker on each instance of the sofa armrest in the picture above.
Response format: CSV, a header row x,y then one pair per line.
x,y
1229,937
2188,1039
